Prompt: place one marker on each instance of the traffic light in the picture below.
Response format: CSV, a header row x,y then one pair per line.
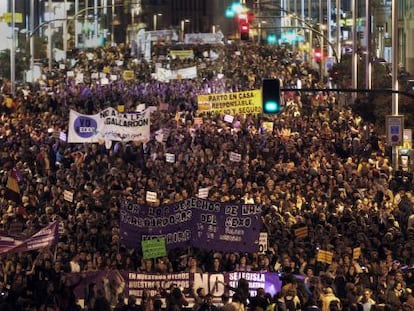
x,y
244,31
317,55
271,100
271,39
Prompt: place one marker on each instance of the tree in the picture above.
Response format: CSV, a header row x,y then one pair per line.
x,y
372,107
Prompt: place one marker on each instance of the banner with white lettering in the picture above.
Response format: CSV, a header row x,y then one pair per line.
x,y
165,75
134,283
109,125
193,222
204,38
46,237
181,54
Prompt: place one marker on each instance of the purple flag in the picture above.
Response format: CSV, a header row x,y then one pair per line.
x,y
44,238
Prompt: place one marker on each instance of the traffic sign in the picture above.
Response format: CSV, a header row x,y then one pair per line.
x,y
395,127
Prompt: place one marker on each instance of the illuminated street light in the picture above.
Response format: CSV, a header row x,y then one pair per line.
x,y
183,22
155,20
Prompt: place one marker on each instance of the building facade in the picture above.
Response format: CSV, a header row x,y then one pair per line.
x,y
200,16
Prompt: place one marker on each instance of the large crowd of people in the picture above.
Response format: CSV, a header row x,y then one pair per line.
x,y
321,166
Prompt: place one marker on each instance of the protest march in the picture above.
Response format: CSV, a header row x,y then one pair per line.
x,y
140,181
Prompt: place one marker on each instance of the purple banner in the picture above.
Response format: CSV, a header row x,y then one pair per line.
x,y
114,282
141,222
193,222
46,237
225,226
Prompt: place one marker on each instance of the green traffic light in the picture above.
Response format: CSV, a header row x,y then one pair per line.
x,y
271,99
230,13
271,39
271,107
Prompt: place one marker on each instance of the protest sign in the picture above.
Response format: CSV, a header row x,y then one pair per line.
x,y
324,256
68,195
151,196
128,75
170,157
301,232
268,126
181,54
235,157
63,136
203,193
247,102
228,118
153,248
263,242
110,125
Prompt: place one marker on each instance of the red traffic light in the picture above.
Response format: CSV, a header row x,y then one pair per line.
x,y
317,55
242,18
244,28
244,31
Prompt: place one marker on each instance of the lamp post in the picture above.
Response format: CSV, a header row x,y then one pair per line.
x,y
32,26
354,49
49,36
65,29
394,40
368,65
338,27
13,51
183,22
322,28
95,20
155,20
260,32
328,23
76,22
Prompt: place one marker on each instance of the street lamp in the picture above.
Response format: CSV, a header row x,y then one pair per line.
x,y
183,22
13,51
49,36
394,40
155,20
260,32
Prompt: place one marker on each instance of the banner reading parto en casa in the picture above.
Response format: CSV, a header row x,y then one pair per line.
x,y
247,102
